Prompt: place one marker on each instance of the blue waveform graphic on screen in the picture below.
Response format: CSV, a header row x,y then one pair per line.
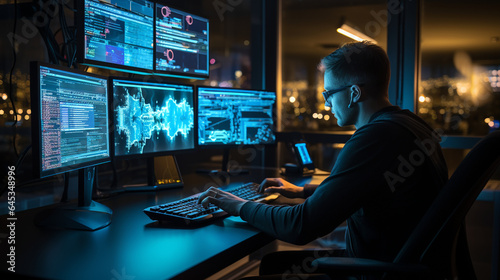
x,y
152,119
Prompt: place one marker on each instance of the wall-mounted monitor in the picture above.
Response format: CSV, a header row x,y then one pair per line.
x,y
151,118
231,117
116,34
70,119
182,43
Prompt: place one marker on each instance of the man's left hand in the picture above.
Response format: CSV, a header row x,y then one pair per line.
x,y
224,200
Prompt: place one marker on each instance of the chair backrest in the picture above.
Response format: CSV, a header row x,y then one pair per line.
x,y
444,218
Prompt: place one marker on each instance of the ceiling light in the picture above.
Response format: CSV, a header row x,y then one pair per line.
x,y
352,33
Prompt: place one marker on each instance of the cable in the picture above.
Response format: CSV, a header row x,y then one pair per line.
x,y
65,33
74,51
10,80
22,156
64,196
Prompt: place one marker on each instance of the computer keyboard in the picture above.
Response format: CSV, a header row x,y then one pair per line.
x,y
187,210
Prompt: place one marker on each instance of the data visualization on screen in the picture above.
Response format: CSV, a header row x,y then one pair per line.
x,y
71,123
181,43
151,117
118,34
235,117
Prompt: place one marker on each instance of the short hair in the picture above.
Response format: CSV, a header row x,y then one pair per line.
x,y
360,62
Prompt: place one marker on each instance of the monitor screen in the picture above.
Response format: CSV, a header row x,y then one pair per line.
x,y
229,116
117,34
70,125
152,117
181,43
305,158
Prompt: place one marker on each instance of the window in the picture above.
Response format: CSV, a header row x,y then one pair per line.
x,y
308,35
459,86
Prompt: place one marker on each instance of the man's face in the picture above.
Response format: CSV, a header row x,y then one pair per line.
x,y
338,101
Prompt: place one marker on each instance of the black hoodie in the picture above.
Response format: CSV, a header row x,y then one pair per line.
x,y
382,182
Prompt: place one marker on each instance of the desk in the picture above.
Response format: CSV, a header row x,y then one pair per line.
x,y
133,245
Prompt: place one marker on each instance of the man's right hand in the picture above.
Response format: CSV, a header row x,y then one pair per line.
x,y
283,187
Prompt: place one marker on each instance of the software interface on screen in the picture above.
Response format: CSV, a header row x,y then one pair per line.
x,y
152,117
73,118
181,42
234,116
119,33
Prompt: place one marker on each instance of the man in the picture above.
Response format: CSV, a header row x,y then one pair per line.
x,y
383,180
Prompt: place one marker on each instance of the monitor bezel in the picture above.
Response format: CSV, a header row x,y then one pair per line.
x,y
36,126
80,41
147,79
230,146
174,74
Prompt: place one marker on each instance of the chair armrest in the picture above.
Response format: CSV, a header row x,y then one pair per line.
x,y
333,265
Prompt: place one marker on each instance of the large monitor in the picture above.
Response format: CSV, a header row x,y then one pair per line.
x,y
70,119
231,117
116,34
70,133
152,118
182,43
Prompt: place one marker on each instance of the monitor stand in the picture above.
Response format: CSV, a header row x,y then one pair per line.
x,y
162,173
85,214
225,167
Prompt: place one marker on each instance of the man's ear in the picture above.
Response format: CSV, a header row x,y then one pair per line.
x,y
355,93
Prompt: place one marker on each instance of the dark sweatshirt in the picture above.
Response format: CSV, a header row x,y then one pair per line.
x,y
382,182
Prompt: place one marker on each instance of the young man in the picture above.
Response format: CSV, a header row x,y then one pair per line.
x,y
384,178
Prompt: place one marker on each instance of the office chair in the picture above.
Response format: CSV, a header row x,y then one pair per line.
x,y
437,248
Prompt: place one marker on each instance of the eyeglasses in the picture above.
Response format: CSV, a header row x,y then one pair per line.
x,y
328,93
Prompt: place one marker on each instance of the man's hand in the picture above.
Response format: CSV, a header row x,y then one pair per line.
x,y
283,187
224,200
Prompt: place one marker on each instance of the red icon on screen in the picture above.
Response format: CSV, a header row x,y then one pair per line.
x,y
165,11
169,54
189,20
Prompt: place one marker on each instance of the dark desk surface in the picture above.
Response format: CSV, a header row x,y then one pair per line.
x,y
133,245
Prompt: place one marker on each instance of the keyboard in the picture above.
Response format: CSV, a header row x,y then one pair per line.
x,y
188,211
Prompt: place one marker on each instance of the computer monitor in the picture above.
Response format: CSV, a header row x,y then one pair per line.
x,y
181,43
152,118
232,117
70,133
116,34
229,117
